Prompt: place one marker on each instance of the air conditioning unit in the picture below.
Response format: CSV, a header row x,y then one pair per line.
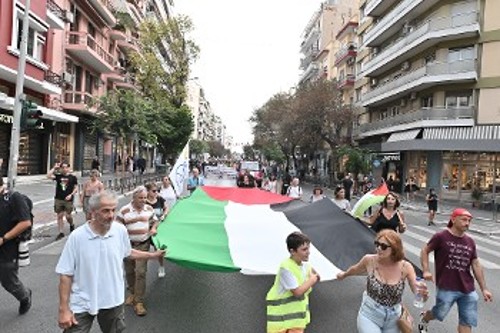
x,y
407,29
69,17
67,77
373,82
402,102
405,65
413,96
375,50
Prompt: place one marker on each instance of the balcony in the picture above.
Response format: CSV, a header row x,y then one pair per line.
x,y
425,117
378,7
116,34
346,81
53,78
105,9
83,46
78,101
128,82
432,74
395,20
128,44
55,15
425,36
310,39
345,53
311,55
310,72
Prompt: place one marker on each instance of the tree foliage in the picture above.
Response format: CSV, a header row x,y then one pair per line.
x,y
216,149
155,112
198,147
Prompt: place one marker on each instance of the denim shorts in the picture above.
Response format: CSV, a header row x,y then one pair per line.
x,y
374,317
467,306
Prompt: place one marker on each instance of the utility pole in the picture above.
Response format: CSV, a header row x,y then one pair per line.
x,y
16,123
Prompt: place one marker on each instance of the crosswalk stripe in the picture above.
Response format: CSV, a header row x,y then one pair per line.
x,y
484,262
416,251
489,240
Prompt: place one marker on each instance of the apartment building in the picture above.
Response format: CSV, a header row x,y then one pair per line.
x,y
319,45
428,79
42,79
345,59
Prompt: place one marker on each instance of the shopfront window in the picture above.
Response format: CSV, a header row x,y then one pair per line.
x,y
417,168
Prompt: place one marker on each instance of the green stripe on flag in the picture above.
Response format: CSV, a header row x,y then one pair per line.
x,y
194,234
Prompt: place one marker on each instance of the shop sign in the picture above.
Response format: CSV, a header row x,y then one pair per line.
x,y
376,163
6,119
391,157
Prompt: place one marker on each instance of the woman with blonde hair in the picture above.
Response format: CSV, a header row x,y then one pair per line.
x,y
386,271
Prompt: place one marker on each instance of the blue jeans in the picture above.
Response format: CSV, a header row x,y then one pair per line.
x,y
467,306
376,318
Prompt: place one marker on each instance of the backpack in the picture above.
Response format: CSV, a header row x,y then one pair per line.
x,y
27,234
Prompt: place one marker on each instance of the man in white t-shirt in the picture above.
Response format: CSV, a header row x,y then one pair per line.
x,y
295,191
91,270
141,222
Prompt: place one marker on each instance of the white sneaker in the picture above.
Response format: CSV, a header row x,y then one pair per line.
x,y
161,271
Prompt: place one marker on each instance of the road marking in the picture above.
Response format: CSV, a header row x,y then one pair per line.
x,y
485,263
43,201
475,237
416,251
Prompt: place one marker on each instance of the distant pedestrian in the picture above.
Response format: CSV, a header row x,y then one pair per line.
x,y
410,189
96,165
388,216
455,256
317,194
90,187
295,190
15,218
141,223
168,192
90,270
66,189
287,179
432,205
288,299
387,271
141,165
340,199
271,185
347,184
195,180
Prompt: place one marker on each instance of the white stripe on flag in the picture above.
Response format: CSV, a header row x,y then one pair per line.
x,y
180,172
257,241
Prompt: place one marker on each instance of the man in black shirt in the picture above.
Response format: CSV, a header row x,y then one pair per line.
x,y
14,219
66,188
347,184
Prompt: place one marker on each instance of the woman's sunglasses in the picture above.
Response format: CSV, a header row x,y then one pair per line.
x,y
382,246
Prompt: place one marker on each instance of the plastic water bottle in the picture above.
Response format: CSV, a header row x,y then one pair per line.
x,y
419,297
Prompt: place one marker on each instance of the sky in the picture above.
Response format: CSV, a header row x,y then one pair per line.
x,y
249,51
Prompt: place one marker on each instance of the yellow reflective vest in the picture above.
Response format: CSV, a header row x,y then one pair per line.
x,y
285,311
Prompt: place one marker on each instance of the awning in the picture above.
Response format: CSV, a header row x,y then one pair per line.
x,y
404,136
487,132
57,116
7,103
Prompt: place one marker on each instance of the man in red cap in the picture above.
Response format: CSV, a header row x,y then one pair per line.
x,y
455,255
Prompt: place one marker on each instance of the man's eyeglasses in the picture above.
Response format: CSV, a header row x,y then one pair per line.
x,y
382,246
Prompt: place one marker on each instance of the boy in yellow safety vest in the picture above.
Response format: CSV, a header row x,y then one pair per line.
x,y
288,299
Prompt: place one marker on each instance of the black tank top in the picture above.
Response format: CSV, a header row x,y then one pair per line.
x,y
381,222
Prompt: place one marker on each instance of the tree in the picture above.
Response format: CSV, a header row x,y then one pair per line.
x,y
216,149
198,147
358,160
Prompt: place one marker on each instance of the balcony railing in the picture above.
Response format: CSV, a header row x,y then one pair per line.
x,y
417,116
106,9
395,15
53,78
83,38
54,8
414,78
433,28
78,97
349,48
346,81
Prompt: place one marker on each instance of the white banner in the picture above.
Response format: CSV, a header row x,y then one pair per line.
x,y
180,172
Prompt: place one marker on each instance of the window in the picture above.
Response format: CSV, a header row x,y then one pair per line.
x,y
358,94
36,41
460,54
426,102
458,100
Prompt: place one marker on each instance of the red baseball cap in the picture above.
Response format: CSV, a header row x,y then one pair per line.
x,y
458,212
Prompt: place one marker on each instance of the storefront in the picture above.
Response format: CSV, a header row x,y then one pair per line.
x,y
457,173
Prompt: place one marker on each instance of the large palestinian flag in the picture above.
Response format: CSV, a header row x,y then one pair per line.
x,y
235,229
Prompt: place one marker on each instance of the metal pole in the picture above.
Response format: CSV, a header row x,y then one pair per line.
x,y
494,192
16,123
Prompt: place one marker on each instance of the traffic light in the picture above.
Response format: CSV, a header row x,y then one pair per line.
x,y
30,116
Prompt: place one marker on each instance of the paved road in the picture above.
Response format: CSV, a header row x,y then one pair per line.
x,y
194,301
